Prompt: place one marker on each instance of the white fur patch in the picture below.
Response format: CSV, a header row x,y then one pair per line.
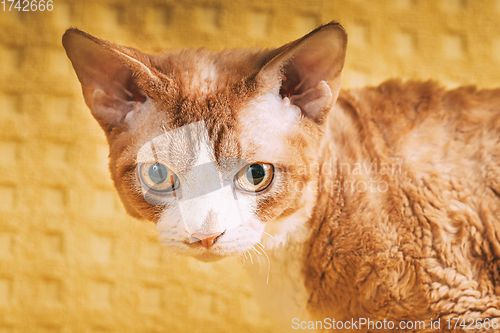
x,y
264,122
203,80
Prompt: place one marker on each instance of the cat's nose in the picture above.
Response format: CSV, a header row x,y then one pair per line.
x,y
207,240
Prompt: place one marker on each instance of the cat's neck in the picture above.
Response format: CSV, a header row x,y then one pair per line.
x,y
279,283
285,293
331,193
357,215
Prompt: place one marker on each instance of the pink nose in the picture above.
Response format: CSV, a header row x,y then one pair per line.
x,y
207,240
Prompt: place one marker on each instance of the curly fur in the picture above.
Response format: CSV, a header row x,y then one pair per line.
x,y
428,246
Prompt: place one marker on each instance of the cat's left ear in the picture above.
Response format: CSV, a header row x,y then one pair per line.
x,y
114,79
308,70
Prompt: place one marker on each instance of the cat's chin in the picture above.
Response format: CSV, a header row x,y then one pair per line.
x,y
208,257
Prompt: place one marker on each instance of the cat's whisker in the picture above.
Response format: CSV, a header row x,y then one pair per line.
x,y
253,247
244,261
250,255
166,255
255,251
268,261
261,247
269,235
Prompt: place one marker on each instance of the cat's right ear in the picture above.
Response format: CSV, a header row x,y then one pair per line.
x,y
112,77
308,70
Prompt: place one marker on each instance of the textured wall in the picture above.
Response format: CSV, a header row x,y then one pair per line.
x,y
70,258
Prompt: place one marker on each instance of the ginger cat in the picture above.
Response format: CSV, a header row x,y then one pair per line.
x,y
378,208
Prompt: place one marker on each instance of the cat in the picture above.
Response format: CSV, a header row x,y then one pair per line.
x,y
378,207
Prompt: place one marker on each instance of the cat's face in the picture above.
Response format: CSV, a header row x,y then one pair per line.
x,y
220,150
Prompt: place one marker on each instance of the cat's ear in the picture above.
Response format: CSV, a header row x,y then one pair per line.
x,y
110,76
308,70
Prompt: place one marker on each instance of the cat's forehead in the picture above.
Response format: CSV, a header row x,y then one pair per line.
x,y
215,89
199,73
206,87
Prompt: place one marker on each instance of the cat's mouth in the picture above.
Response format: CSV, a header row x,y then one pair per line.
x,y
202,253
206,248
200,245
211,247
220,249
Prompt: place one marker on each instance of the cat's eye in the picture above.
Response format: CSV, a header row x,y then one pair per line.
x,y
158,177
255,177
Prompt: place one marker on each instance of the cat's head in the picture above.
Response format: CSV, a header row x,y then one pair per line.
x,y
219,149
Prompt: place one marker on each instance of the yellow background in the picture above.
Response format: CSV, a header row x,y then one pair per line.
x,y
70,258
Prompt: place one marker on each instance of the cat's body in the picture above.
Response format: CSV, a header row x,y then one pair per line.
x,y
383,205
428,241
422,246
